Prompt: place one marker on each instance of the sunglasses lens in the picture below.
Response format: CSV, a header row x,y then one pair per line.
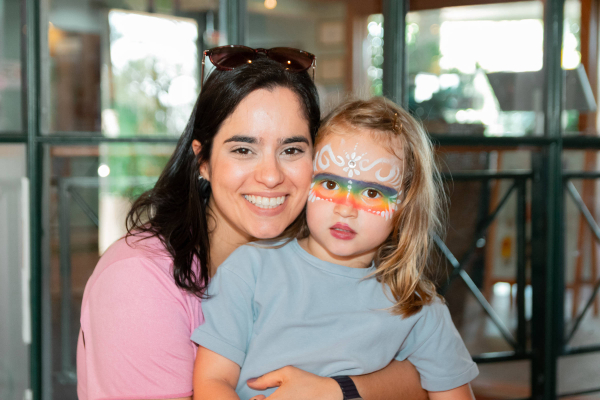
x,y
293,59
229,57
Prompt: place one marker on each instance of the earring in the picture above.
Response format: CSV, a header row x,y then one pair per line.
x,y
203,184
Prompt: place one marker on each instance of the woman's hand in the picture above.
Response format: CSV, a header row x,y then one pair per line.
x,y
296,384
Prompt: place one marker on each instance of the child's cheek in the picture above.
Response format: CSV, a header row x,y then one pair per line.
x,y
376,226
318,213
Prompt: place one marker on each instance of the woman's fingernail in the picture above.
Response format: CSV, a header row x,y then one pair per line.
x,y
251,380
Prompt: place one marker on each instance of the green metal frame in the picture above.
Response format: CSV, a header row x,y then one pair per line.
x,y
547,180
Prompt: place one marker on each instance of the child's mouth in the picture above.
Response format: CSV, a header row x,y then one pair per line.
x,y
342,231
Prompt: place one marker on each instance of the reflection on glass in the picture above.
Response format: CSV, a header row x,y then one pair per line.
x,y
154,73
317,27
132,71
15,328
582,264
10,67
579,59
375,53
91,190
466,63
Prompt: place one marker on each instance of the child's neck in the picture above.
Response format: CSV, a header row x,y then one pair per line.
x,y
311,246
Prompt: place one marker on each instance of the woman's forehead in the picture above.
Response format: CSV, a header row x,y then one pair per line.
x,y
266,116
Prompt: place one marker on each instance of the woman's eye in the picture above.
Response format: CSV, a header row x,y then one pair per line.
x,y
372,193
292,151
242,150
330,185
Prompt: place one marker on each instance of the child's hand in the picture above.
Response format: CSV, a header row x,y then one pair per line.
x,y
296,384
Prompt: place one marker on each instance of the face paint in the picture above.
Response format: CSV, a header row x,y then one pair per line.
x,y
355,163
366,196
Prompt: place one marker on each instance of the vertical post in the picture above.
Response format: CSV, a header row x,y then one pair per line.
x,y
394,51
521,263
34,172
233,18
548,270
67,374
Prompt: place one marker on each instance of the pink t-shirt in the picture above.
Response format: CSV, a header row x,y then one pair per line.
x,y
136,325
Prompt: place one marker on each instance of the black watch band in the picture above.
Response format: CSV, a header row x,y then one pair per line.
x,y
348,387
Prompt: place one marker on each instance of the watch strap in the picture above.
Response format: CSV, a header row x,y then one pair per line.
x,y
348,387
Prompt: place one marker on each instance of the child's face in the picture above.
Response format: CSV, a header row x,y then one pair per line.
x,y
355,191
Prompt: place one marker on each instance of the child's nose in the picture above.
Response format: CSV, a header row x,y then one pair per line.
x,y
346,210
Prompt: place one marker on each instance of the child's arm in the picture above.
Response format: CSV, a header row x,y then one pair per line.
x,y
460,393
215,377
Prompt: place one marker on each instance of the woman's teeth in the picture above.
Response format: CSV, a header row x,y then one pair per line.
x,y
265,202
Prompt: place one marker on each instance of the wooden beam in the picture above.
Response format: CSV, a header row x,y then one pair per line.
x,y
589,58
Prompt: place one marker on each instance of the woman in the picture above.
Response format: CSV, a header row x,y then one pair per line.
x,y
240,171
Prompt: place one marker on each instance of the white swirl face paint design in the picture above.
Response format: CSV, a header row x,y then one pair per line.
x,y
354,164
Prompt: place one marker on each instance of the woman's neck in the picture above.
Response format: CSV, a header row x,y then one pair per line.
x,y
313,247
224,239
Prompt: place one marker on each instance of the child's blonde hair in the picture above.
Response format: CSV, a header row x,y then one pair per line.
x,y
401,260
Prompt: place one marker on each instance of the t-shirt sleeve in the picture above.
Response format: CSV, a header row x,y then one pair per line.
x,y
437,351
228,314
136,330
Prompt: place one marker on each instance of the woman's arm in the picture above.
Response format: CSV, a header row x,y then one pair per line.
x,y
399,380
384,384
215,377
460,393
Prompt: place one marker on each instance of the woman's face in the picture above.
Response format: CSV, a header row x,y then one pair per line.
x,y
260,168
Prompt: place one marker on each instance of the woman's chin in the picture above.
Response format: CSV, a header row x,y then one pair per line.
x,y
266,231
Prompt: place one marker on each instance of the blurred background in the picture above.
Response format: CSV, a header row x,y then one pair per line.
x,y
95,93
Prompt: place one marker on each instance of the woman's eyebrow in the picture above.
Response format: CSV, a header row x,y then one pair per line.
x,y
294,139
243,139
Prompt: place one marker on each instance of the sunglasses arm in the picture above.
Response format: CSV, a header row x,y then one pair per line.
x,y
202,71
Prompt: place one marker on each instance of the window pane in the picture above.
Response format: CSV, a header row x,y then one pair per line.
x,y
582,271
124,72
477,70
489,258
580,64
90,190
336,33
10,67
15,329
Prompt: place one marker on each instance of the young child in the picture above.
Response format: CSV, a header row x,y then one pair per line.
x,y
350,296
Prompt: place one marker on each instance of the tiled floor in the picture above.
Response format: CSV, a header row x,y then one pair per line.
x,y
512,379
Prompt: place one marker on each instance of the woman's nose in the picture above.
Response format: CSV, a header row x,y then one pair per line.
x,y
269,172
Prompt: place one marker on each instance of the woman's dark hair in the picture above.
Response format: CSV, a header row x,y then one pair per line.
x,y
175,210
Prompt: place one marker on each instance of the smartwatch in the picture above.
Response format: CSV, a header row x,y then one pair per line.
x,y
348,387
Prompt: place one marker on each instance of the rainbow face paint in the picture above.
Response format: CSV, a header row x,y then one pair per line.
x,y
366,196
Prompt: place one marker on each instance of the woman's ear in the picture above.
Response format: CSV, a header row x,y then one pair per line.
x,y
205,170
204,167
196,146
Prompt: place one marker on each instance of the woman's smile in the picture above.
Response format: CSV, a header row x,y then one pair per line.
x,y
266,202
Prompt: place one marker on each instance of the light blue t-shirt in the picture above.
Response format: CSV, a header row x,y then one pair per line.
x,y
275,307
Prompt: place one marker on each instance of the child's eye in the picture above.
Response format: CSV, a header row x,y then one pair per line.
x,y
330,185
372,193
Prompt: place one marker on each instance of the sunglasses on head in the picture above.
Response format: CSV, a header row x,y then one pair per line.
x,y
226,58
